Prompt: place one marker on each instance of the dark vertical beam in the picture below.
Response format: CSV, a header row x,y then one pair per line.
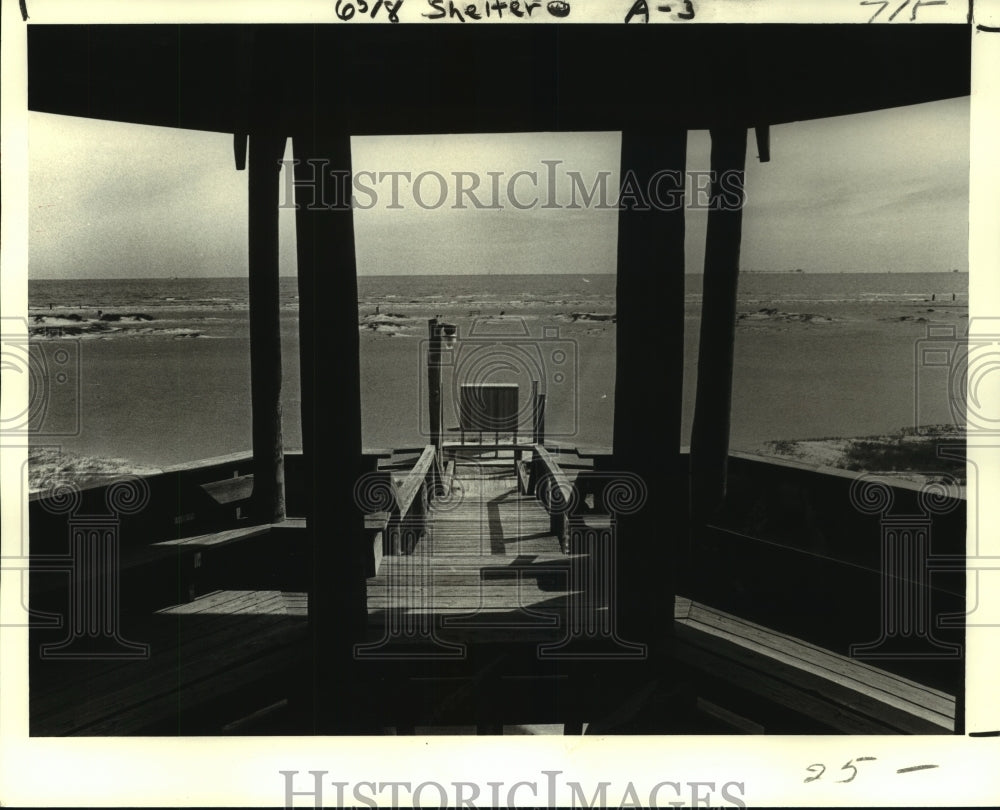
x,y
710,430
268,502
540,419
534,411
649,370
331,431
434,381
434,399
763,136
258,94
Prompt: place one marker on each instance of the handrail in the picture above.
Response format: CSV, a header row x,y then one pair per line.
x,y
408,522
407,491
554,490
550,467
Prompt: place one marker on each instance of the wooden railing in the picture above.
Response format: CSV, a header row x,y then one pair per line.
x,y
183,500
554,489
165,536
406,523
795,549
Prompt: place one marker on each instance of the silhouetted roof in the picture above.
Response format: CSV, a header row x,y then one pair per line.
x,y
489,77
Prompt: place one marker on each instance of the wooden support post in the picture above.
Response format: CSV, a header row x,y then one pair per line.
x,y
332,449
763,135
540,420
434,404
268,501
649,371
557,519
440,408
434,381
710,431
240,150
534,411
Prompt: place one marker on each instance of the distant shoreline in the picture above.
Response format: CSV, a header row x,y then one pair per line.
x,y
573,274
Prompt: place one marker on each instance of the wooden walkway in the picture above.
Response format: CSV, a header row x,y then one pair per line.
x,y
487,550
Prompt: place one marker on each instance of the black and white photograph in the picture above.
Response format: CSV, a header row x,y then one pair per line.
x,y
436,374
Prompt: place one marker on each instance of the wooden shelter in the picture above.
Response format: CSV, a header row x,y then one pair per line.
x,y
321,84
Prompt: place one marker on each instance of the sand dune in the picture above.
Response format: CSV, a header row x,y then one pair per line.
x,y
109,325
907,455
48,468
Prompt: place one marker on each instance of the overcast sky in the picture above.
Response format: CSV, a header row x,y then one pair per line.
x,y
865,193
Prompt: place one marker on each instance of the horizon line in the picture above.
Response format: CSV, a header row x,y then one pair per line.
x,y
512,275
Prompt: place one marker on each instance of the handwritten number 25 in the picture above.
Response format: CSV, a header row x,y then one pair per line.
x,y
849,765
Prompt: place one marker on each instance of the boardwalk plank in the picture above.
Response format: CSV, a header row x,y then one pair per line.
x,y
493,550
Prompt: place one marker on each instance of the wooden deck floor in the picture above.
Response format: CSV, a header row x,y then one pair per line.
x,y
488,550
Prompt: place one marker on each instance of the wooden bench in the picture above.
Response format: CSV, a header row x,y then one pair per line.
x,y
230,491
742,666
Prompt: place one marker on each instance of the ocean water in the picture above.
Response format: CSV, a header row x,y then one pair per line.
x,y
229,294
162,376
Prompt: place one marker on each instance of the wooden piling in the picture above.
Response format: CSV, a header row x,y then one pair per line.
x,y
434,381
434,400
534,411
268,503
710,431
332,448
649,371
540,420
